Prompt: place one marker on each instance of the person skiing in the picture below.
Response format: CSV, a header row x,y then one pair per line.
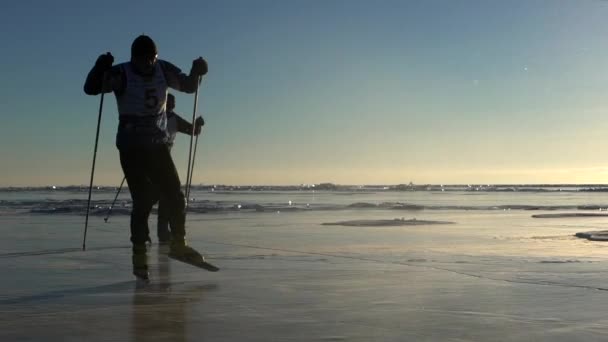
x,y
175,124
140,87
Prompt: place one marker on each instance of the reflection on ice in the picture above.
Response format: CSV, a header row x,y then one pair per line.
x,y
160,309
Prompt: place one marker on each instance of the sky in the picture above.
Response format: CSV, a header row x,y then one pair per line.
x,y
304,92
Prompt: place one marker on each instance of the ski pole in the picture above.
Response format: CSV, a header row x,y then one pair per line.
x,y
192,170
86,222
188,176
113,202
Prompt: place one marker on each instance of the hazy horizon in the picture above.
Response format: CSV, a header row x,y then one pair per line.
x,y
313,185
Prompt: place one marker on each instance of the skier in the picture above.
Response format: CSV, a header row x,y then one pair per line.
x,y
140,87
175,124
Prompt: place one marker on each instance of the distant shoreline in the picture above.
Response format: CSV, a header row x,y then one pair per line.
x,y
350,188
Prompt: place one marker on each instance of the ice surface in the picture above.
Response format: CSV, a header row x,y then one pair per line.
x,y
490,276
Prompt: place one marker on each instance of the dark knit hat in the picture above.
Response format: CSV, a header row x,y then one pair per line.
x,y
143,45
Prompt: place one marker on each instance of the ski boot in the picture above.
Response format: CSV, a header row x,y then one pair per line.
x,y
140,263
179,250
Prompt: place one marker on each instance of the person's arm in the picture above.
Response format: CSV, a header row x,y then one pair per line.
x,y
185,127
95,84
177,80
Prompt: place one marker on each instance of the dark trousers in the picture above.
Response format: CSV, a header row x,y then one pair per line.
x,y
162,225
151,174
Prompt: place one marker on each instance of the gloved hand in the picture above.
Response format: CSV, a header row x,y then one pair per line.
x,y
199,67
198,124
104,62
